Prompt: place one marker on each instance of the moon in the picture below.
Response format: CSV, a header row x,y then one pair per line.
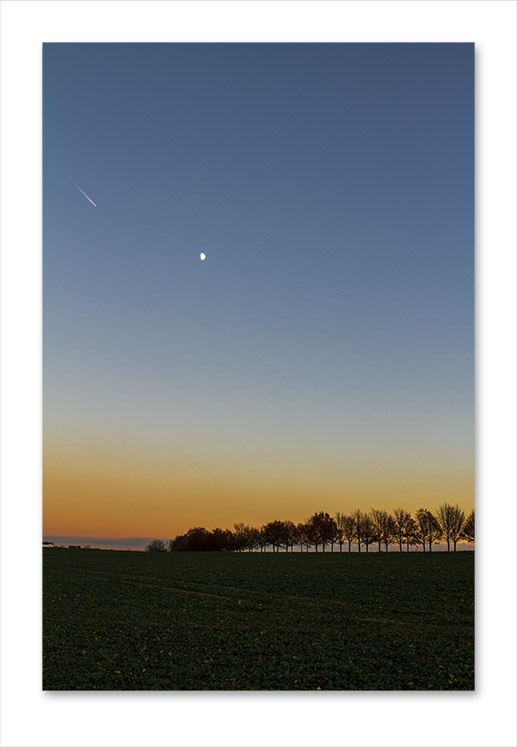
x,y
202,256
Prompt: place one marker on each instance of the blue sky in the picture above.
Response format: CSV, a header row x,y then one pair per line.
x,y
331,187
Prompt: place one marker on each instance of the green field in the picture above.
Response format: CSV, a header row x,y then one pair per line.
x,y
257,621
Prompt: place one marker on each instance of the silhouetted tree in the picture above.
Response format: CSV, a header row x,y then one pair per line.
x,y
196,538
262,539
253,539
422,521
275,534
240,531
328,529
434,531
156,546
412,533
451,520
384,527
267,536
178,543
200,539
348,528
222,539
312,535
367,530
358,519
334,535
289,535
388,530
468,528
321,529
301,531
400,523
429,527
377,519
245,537
295,535
340,536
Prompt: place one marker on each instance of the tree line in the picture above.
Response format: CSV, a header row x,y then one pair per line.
x,y
361,529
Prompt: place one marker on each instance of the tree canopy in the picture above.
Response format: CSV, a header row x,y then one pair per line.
x,y
358,528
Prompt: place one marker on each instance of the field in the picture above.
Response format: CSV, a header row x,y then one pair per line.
x,y
257,621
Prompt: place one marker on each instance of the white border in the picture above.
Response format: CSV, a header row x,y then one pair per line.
x,y
31,718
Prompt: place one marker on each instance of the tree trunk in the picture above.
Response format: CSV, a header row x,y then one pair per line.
x,y
379,545
448,545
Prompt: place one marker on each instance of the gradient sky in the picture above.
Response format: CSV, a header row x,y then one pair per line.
x,y
322,357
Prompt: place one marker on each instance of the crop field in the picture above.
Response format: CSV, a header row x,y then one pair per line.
x,y
257,621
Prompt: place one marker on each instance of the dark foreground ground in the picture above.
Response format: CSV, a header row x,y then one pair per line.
x,y
257,621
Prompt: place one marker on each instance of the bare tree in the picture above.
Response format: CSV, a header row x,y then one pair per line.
x,y
384,527
367,530
296,536
288,535
400,525
412,533
156,546
358,519
345,529
253,538
451,520
468,528
377,519
349,530
338,518
301,532
429,527
334,534
422,521
388,530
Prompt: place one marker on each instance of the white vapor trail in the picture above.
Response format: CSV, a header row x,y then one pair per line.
x,y
84,193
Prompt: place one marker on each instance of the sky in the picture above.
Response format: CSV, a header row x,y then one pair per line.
x,y
321,357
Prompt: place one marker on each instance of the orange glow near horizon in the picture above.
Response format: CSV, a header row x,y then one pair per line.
x,y
116,494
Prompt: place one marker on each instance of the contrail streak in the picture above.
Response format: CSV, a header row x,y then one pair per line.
x,y
83,193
